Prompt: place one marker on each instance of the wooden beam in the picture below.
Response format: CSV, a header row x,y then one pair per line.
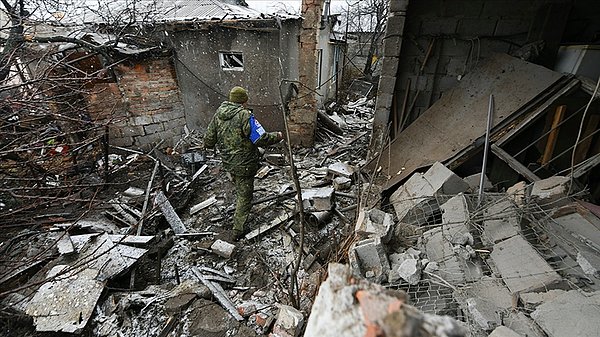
x,y
559,113
514,164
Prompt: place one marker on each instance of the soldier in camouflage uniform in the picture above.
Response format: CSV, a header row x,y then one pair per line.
x,y
230,130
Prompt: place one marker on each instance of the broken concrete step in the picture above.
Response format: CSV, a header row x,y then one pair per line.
x,y
521,267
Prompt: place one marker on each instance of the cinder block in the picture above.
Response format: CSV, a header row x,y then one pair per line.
x,y
395,24
141,120
319,199
389,65
153,128
398,5
368,259
392,44
521,267
512,27
387,86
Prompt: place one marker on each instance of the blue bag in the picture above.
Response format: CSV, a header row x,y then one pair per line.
x,y
256,130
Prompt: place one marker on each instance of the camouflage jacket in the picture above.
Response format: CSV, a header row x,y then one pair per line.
x,y
229,130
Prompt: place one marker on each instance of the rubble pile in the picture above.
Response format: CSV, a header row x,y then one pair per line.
x,y
502,263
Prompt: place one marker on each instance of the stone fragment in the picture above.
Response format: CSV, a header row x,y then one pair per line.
x,y
414,253
342,183
414,201
521,267
532,300
367,257
431,267
222,248
572,313
483,313
341,169
410,271
503,331
134,192
374,223
518,193
289,322
318,199
551,192
501,221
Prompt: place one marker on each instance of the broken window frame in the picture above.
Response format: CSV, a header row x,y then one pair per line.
x,y
231,60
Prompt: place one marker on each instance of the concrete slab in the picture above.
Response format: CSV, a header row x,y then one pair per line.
x,y
502,221
532,300
570,314
521,267
66,302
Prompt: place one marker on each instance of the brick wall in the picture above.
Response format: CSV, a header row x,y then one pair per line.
x,y
144,105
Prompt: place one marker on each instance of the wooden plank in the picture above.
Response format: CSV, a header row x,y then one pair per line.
x,y
584,146
514,164
169,213
559,113
283,217
219,294
458,118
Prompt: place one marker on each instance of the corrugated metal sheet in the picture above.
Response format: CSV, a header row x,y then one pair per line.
x,y
96,12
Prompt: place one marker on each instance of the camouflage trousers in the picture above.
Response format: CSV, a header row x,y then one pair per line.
x,y
244,188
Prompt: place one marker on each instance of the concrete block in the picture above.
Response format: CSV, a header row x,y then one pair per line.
x,y
502,221
503,331
375,222
387,84
551,192
289,322
153,128
318,199
483,313
410,271
474,180
412,200
222,248
342,183
340,169
572,313
521,267
398,5
438,249
532,300
392,45
522,324
141,120
455,213
368,259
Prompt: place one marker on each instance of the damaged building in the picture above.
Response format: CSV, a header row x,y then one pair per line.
x,y
458,198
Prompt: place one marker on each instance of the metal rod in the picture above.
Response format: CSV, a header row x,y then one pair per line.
x,y
486,148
